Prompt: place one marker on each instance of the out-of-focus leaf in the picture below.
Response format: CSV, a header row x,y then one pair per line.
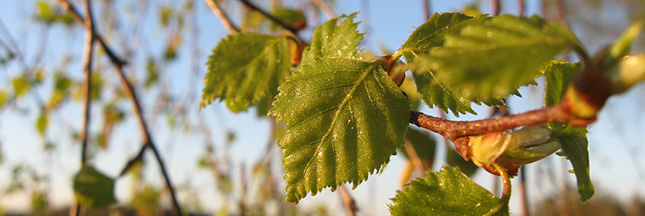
x,y
4,97
61,90
41,123
93,189
558,75
410,90
448,192
146,201
291,17
39,202
165,13
20,86
152,74
344,119
424,145
45,12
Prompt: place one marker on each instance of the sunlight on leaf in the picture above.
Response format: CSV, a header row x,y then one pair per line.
x,y
333,40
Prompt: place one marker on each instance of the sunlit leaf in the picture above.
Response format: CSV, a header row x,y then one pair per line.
x,y
93,189
20,86
41,123
293,18
432,33
448,192
333,40
246,68
344,119
487,61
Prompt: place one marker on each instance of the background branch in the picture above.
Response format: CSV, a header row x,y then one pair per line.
x,y
414,157
324,8
129,89
348,201
272,18
494,7
223,17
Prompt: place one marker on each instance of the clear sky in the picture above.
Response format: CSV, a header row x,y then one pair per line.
x,y
615,140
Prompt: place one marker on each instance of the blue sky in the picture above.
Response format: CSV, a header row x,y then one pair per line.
x,y
615,139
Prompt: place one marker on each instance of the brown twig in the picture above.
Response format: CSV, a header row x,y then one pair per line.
x,y
524,197
129,89
521,8
457,129
324,8
427,10
223,17
87,68
494,7
348,201
414,157
133,161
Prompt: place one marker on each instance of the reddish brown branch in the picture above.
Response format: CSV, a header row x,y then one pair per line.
x,y
494,7
521,8
129,89
427,11
456,129
223,17
324,8
348,201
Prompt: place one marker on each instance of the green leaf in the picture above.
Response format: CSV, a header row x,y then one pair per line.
x,y
487,61
448,192
344,119
20,86
453,158
41,123
245,68
558,75
431,34
45,12
574,144
93,189
424,145
332,40
293,18
4,97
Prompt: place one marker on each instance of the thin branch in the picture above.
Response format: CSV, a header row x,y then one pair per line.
x,y
348,201
418,165
524,197
272,18
223,17
133,161
494,7
456,129
324,8
521,8
87,67
129,89
427,10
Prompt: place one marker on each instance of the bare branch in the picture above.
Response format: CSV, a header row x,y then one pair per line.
x,y
348,201
129,89
521,8
524,197
133,161
494,7
223,17
414,157
427,12
324,8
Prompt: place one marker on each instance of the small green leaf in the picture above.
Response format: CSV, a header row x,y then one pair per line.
x,y
558,75
4,97
333,40
344,119
152,75
574,144
431,34
448,192
487,61
45,12
93,189
454,159
245,68
41,123
20,86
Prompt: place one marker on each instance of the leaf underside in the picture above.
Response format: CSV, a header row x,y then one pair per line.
x,y
344,119
487,61
448,192
245,68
